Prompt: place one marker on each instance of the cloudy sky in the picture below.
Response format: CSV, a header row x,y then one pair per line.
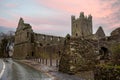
x,y
54,16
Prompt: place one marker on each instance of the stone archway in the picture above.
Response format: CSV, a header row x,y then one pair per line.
x,y
76,34
41,44
59,53
104,53
33,54
58,58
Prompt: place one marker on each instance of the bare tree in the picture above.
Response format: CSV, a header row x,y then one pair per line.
x,y
6,43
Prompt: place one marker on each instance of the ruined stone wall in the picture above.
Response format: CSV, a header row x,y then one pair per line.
x,y
48,51
48,48
48,39
47,45
32,45
81,54
77,55
22,50
110,70
22,45
81,26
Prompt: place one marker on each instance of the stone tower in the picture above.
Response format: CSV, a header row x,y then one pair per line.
x,y
82,26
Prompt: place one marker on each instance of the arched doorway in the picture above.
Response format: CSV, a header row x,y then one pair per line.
x,y
33,54
104,53
59,53
76,34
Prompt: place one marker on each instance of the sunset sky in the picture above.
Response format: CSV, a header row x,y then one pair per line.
x,y
54,16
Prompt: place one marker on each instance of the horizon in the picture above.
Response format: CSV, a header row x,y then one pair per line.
x,y
46,18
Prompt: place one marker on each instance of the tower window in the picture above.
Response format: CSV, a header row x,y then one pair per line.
x,y
27,34
76,34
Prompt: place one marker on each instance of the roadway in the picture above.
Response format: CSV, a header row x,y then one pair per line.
x,y
12,70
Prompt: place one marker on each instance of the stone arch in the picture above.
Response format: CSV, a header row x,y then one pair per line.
x,y
27,56
76,34
59,53
48,44
104,53
27,34
33,54
41,44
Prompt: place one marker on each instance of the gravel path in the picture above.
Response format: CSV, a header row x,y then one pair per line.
x,y
52,71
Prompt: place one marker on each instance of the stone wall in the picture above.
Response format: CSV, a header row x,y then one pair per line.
x,y
33,45
81,54
48,39
77,55
22,50
23,45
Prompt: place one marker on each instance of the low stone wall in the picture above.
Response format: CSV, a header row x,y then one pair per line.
x,y
107,73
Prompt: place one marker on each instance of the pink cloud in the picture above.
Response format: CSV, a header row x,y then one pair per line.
x,y
44,24
93,7
10,5
97,8
48,21
47,24
7,23
103,12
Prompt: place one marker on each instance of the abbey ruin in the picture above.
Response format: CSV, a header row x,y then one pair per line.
x,y
78,52
30,45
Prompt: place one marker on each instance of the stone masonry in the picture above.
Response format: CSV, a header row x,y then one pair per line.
x,y
81,26
79,52
83,49
33,45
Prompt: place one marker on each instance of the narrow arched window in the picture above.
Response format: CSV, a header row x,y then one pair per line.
x,y
27,34
76,34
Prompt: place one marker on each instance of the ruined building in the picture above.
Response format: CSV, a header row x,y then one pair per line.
x,y
83,49
82,28
78,52
33,45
